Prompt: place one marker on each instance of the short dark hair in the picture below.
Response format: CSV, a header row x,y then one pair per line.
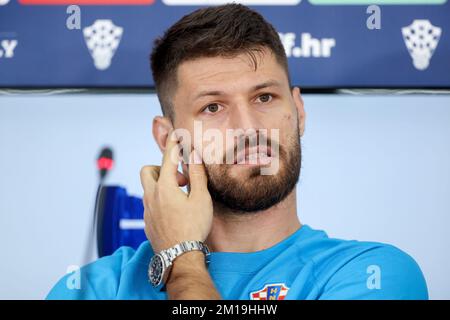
x,y
226,30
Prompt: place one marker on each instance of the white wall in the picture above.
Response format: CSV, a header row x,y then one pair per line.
x,y
374,168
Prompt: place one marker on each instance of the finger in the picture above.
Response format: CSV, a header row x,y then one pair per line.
x,y
171,159
198,179
149,177
182,180
185,170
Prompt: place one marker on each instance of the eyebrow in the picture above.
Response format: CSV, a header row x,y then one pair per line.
x,y
270,83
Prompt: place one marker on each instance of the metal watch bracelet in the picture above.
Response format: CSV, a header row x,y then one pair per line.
x,y
183,247
161,263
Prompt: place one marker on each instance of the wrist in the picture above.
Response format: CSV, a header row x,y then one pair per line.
x,y
185,258
189,264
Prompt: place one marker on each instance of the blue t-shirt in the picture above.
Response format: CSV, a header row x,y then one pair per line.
x,y
306,265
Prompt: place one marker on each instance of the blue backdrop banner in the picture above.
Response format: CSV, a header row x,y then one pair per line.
x,y
329,43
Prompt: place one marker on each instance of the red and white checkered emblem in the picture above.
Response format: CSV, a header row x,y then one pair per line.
x,y
273,291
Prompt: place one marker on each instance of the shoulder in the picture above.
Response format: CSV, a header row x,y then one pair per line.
x,y
350,269
370,270
100,279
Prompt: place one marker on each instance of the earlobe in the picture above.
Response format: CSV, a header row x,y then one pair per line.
x,y
161,128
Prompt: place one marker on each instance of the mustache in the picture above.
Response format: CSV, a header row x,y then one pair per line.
x,y
257,141
212,153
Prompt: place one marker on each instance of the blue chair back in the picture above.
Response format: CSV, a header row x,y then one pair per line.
x,y
120,220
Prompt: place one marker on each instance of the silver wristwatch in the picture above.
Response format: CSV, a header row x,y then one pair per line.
x,y
160,263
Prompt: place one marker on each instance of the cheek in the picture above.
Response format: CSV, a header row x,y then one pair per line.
x,y
284,122
287,126
290,123
289,117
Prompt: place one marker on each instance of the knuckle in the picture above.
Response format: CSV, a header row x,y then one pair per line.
x,y
149,171
144,171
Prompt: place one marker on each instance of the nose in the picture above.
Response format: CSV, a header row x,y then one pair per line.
x,y
244,117
245,124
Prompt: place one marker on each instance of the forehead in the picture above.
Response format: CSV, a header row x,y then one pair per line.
x,y
227,74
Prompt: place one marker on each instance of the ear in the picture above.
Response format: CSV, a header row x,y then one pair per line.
x,y
298,100
161,128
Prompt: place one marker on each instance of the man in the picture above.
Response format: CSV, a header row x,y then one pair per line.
x,y
219,69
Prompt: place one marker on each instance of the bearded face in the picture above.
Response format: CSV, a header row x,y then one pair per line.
x,y
230,93
243,188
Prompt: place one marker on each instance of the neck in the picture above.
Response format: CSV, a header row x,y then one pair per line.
x,y
250,232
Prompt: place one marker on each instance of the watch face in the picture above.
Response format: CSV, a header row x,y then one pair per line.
x,y
156,270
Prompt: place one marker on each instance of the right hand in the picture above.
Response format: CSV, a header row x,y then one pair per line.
x,y
171,216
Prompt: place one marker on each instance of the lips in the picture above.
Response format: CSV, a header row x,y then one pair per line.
x,y
254,155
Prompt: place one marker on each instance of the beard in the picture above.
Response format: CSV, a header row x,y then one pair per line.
x,y
252,192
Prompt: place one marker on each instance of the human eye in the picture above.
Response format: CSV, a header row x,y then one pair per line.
x,y
265,98
212,108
